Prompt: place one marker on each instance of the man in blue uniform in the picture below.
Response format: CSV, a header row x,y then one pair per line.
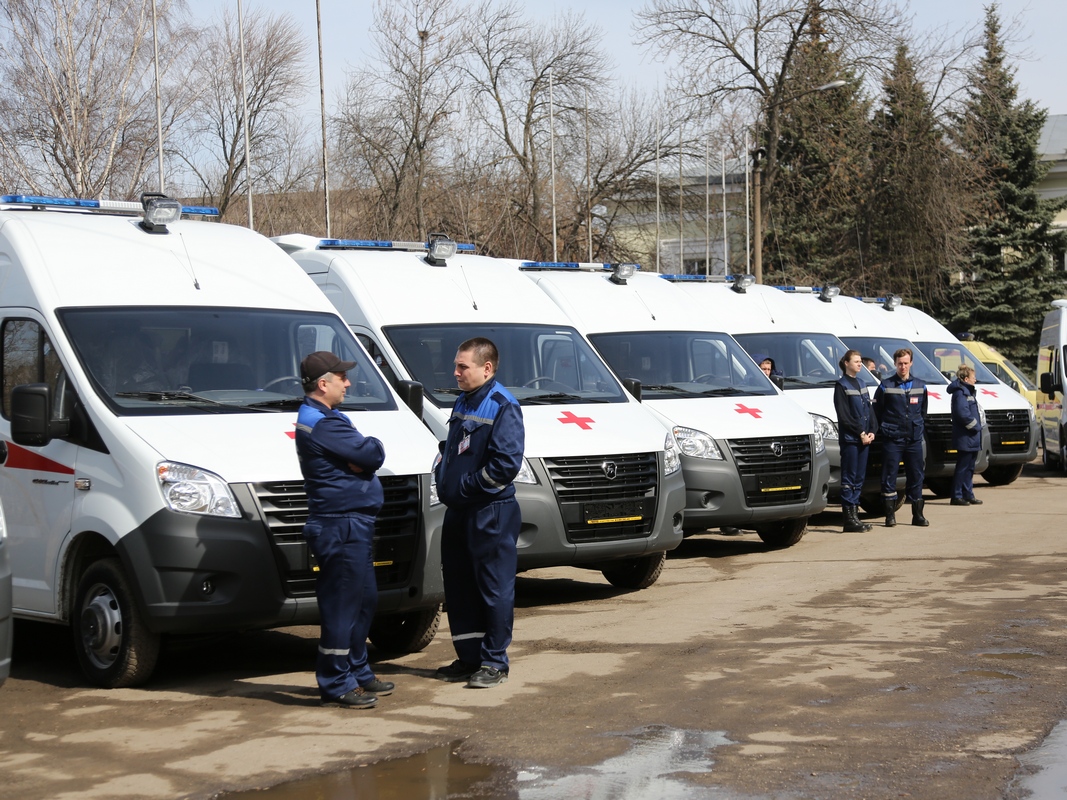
x,y
344,496
900,406
478,462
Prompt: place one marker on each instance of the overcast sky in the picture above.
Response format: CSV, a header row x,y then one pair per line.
x,y
347,25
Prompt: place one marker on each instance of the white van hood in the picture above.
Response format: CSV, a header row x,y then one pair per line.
x,y
252,448
583,429
736,417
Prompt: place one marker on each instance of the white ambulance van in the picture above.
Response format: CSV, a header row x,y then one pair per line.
x,y
6,619
864,326
601,485
766,322
147,457
1052,378
1009,416
750,456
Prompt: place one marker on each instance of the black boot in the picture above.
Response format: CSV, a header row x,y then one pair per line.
x,y
890,512
917,517
852,521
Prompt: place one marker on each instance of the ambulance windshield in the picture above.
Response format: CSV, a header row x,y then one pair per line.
x,y
882,349
673,364
171,360
948,357
805,360
539,364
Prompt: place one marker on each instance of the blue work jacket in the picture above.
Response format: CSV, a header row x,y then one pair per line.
x,y
483,451
966,418
901,411
328,446
855,415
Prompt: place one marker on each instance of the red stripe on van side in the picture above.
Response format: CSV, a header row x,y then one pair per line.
x,y
21,458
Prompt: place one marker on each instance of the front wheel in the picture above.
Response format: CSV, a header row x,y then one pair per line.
x,y
1002,474
408,632
113,644
635,573
941,487
783,533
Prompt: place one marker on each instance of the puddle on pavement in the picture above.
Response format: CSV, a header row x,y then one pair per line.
x,y
989,674
1010,656
653,766
1050,761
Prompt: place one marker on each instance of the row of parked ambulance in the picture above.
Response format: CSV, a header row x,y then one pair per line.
x,y
150,386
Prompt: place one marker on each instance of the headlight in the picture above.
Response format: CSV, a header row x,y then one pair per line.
x,y
672,462
697,444
825,428
194,491
526,473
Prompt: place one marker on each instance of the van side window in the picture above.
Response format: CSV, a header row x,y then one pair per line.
x,y
29,357
378,357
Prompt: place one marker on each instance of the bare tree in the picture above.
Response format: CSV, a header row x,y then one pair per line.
x,y
743,50
275,81
392,125
77,96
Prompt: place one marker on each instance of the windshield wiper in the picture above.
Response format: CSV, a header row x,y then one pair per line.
x,y
285,402
726,390
666,387
452,390
162,396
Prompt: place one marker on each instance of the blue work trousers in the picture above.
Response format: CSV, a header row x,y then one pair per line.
x,y
479,558
348,597
911,453
853,471
963,475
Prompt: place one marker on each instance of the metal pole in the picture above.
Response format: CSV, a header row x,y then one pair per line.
x,y
588,181
244,100
322,113
658,135
707,207
757,238
159,109
725,238
552,157
748,212
681,209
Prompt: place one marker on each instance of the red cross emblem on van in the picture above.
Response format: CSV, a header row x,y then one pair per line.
x,y
743,409
582,422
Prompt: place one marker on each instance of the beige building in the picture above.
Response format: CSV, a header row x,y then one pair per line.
x,y
1053,149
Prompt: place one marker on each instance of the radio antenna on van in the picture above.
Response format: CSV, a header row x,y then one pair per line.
x,y
189,261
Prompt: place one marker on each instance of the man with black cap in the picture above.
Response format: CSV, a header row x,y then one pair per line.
x,y
344,496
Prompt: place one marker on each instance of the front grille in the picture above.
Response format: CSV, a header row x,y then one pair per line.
x,y
1009,431
775,470
396,532
939,447
598,508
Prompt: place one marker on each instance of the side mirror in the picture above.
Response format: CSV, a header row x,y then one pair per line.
x,y
1014,384
779,381
411,393
633,386
31,416
1048,385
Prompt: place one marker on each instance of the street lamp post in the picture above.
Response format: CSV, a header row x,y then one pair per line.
x,y
758,157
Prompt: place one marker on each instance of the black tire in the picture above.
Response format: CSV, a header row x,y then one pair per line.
x,y
1002,474
784,533
114,646
875,505
940,487
635,573
408,632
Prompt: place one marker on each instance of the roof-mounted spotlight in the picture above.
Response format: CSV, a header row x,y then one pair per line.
x,y
828,293
892,301
621,272
159,212
966,336
742,282
439,249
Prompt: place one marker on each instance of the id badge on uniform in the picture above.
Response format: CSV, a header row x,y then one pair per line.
x,y
464,443
914,401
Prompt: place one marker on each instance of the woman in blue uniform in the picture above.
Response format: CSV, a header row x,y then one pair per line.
x,y
856,426
966,436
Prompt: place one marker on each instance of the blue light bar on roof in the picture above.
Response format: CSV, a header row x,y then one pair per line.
x,y
677,277
383,244
549,265
125,206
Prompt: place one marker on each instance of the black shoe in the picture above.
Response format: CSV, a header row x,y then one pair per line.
x,y
974,501
487,677
890,512
456,671
357,698
380,688
959,501
917,517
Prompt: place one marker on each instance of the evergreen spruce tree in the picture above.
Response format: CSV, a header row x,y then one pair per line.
x,y
1005,291
822,160
915,215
